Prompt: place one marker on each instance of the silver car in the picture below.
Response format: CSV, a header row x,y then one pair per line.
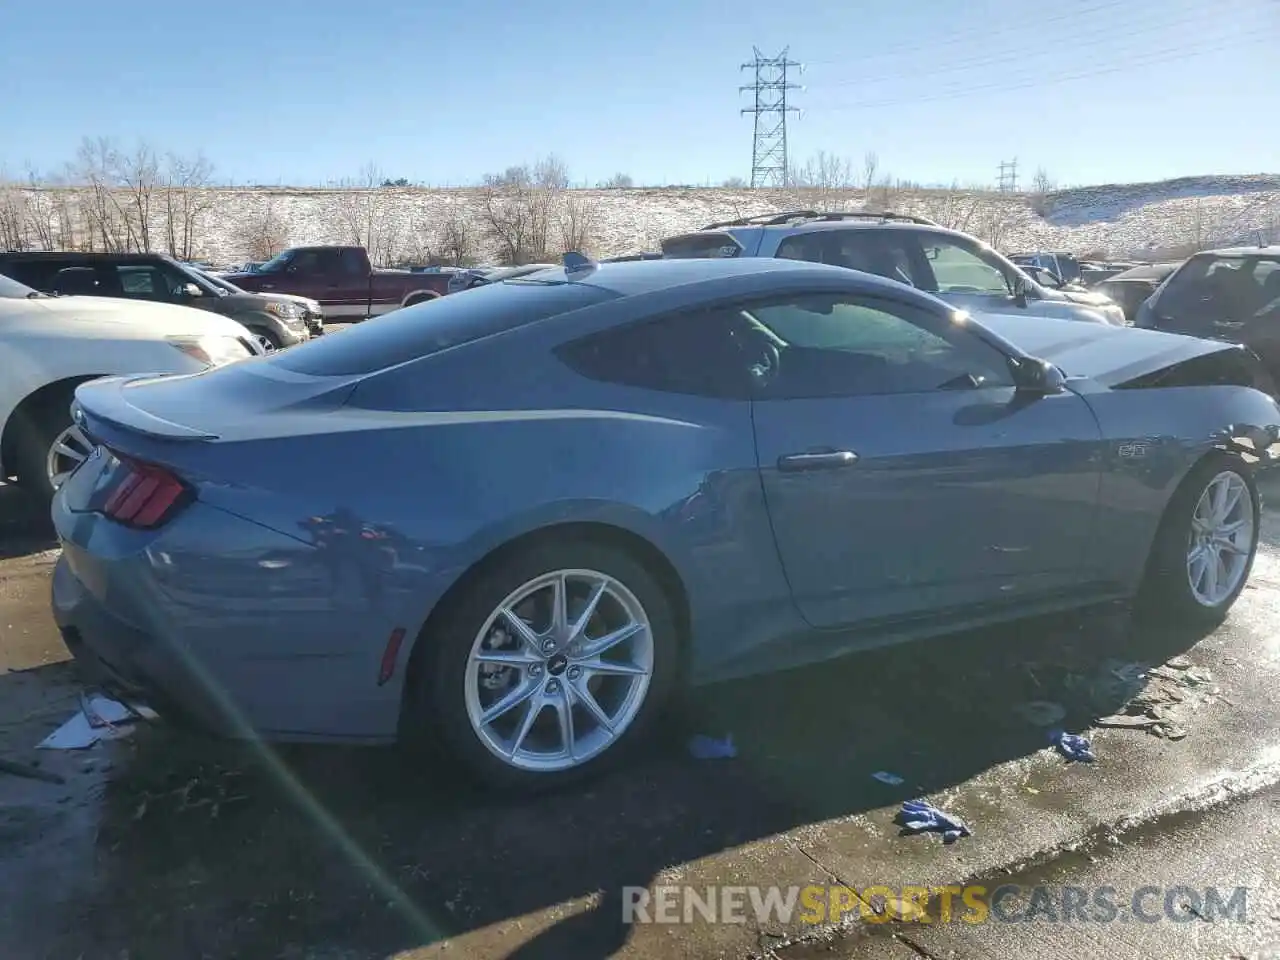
x,y
913,250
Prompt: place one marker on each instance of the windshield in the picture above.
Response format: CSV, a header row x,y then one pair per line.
x,y
222,286
11,289
276,263
1223,288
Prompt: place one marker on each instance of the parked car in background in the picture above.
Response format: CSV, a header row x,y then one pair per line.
x,y
50,345
342,281
958,268
1131,287
1230,294
729,437
467,279
312,312
1060,263
627,258
276,321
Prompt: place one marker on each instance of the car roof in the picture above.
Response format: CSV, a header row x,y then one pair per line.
x,y
77,255
633,277
1146,271
1270,251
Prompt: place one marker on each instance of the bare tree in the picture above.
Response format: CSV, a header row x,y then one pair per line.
x,y
138,174
823,181
363,206
518,206
619,181
186,200
1041,182
94,169
734,183
457,238
14,215
870,167
265,233
578,218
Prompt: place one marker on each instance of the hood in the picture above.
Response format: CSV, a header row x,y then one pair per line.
x,y
1089,298
160,319
1107,354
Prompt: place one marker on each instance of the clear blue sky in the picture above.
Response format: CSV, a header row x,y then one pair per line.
x,y
309,92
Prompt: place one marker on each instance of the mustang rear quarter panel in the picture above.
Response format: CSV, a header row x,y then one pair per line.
x,y
1155,437
525,446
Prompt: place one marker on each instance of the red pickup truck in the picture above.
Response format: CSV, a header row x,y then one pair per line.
x,y
342,280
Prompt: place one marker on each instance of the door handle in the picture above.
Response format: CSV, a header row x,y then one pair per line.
x,y
268,286
826,460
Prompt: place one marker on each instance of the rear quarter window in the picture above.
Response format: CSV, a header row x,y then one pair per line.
x,y
427,328
700,246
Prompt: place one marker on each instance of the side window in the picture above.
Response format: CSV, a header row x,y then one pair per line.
x,y
881,252
137,281
843,346
959,269
801,246
307,263
692,353
350,264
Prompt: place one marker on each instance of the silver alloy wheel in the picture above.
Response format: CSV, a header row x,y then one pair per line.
x,y
559,670
1220,539
69,449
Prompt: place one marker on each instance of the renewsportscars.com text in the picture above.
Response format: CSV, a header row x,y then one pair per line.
x,y
1008,903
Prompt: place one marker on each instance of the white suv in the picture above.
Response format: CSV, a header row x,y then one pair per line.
x,y
51,345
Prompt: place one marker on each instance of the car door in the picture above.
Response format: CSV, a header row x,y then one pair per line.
x,y
903,471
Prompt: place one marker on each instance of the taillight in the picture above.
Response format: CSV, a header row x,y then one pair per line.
x,y
145,496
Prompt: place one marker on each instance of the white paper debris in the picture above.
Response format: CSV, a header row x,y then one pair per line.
x,y
99,718
892,779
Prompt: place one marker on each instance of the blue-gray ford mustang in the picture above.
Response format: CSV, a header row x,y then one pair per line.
x,y
516,518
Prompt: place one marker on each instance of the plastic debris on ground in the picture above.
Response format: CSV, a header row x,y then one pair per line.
x,y
920,816
892,779
1073,746
99,718
702,747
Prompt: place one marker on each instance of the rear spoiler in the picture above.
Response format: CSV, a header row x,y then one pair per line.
x,y
104,400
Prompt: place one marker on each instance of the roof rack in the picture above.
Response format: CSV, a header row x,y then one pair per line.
x,y
778,219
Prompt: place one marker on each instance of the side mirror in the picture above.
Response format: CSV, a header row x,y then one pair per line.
x,y
1035,377
1019,290
189,290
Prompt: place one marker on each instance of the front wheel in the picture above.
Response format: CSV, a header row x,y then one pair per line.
x,y
554,662
1207,541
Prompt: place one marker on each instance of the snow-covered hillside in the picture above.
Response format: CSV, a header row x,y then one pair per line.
x,y
411,223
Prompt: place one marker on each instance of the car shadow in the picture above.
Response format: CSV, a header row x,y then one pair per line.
x,y
374,852
24,527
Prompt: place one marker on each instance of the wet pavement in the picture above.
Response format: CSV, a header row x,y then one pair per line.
x,y
168,845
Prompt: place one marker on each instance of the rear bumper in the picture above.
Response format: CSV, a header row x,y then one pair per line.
x,y
221,624
128,663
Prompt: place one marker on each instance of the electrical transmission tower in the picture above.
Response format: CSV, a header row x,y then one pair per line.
x,y
1009,175
769,145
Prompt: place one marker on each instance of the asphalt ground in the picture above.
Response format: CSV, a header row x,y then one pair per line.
x,y
168,845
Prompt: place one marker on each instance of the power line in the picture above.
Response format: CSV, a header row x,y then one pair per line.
x,y
984,32
1004,86
1075,44
769,142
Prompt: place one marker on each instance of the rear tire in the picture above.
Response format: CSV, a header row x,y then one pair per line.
x,y
1200,562
609,713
